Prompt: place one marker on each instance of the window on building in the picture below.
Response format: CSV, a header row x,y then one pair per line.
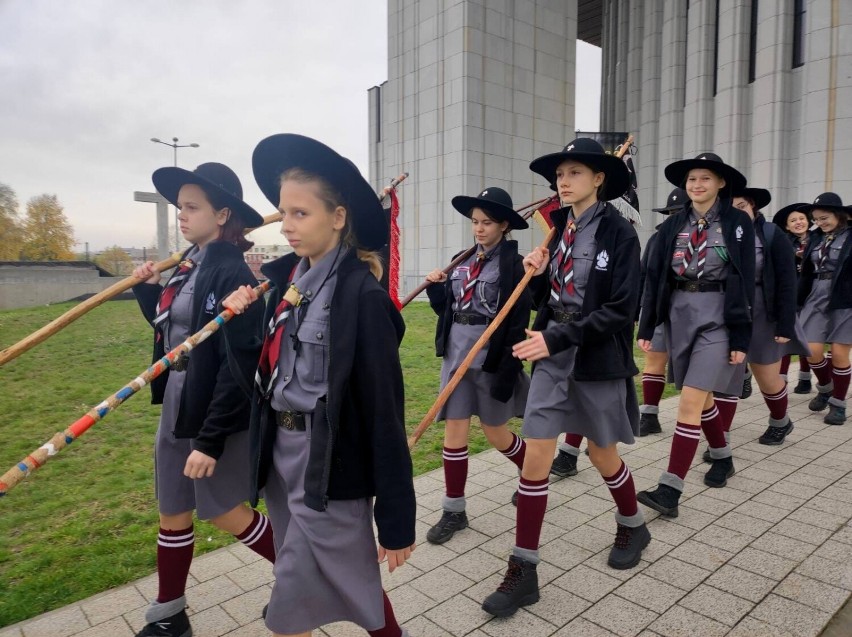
x,y
752,43
799,10
716,51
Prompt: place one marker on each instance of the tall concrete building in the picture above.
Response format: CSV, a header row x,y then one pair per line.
x,y
477,88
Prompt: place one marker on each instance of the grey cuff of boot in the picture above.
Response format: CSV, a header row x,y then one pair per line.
x,y
721,453
637,519
827,388
671,480
837,402
157,612
453,505
528,555
805,376
649,409
574,451
779,423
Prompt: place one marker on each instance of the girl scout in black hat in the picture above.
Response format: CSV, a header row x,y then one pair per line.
x,y
825,295
775,326
328,434
654,370
582,382
202,441
700,283
495,387
796,224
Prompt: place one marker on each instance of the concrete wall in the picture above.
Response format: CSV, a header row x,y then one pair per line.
x,y
30,285
475,91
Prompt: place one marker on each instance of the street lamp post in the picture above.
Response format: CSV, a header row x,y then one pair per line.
x,y
174,144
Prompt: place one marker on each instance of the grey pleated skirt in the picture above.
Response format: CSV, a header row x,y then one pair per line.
x,y
763,349
658,340
822,325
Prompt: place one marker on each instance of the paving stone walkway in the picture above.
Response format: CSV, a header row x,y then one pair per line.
x,y
770,555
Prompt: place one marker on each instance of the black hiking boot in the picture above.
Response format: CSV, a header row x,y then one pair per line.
x,y
720,471
746,388
519,588
820,401
564,465
836,415
663,499
627,549
175,626
649,424
446,527
775,435
802,387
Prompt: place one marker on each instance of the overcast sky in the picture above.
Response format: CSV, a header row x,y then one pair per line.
x,y
86,83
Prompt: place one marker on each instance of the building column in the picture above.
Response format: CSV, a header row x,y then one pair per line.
x,y
698,109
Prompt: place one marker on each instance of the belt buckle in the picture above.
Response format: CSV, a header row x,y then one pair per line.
x,y
693,286
288,420
462,319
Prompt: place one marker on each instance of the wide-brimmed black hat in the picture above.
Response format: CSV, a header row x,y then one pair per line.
x,y
676,201
780,218
218,177
677,172
827,201
278,153
590,153
496,203
760,196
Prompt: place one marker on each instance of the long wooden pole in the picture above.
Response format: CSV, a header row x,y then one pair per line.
x,y
468,360
42,334
536,205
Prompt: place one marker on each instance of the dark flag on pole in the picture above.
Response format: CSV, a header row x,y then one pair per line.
x,y
628,203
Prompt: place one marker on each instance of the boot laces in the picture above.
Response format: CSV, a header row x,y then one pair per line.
x,y
776,433
513,577
622,536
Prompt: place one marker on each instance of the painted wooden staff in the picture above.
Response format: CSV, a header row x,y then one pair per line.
x,y
467,253
62,439
483,340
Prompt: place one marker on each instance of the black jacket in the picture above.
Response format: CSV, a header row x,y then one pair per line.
x,y
213,406
362,450
841,283
643,269
779,278
739,287
604,335
499,360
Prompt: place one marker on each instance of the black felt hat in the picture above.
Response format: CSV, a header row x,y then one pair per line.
x,y
496,202
780,218
278,153
677,172
760,196
217,177
589,153
676,201
827,201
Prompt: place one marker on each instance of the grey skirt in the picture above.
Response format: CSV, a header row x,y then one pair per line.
x,y
326,563
763,349
209,497
822,325
472,396
699,351
658,340
605,411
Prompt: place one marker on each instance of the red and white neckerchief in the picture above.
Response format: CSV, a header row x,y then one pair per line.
x,y
562,274
469,284
825,249
697,248
171,289
268,365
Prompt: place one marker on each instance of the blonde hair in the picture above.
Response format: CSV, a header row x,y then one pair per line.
x,y
332,199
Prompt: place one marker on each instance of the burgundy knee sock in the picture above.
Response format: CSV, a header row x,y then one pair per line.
x,y
652,388
822,370
532,503
727,406
777,404
841,376
455,471
258,536
623,491
714,428
785,365
174,555
574,440
684,445
804,365
391,627
516,451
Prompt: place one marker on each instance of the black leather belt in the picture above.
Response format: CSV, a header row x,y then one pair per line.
x,y
470,319
700,286
822,276
561,316
291,420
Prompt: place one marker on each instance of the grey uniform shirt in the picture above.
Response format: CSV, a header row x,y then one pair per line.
x,y
716,259
303,361
830,264
585,258
486,294
179,323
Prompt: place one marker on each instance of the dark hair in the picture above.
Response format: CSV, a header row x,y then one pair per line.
x,y
232,230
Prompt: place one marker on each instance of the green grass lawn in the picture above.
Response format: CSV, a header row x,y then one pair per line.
x,y
87,521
